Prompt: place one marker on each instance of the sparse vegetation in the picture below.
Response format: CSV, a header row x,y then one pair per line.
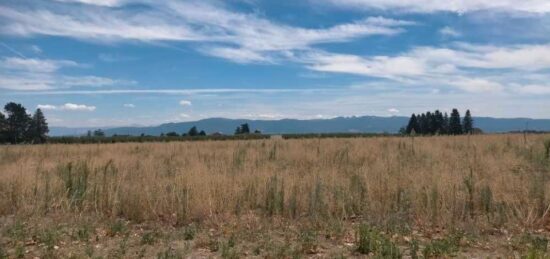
x,y
277,198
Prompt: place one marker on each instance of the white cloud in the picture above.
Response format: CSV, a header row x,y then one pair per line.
x,y
185,103
471,68
239,37
36,49
184,116
96,2
534,89
67,107
458,6
129,105
35,65
449,32
46,107
28,74
77,107
236,55
393,110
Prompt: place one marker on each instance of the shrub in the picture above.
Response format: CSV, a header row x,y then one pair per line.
x,y
371,241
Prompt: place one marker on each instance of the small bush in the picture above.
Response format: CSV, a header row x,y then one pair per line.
x,y
189,232
547,148
308,240
117,227
149,238
443,247
371,241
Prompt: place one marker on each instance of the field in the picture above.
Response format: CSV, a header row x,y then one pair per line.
x,y
386,197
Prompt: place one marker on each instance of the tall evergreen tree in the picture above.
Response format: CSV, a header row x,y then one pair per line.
x,y
413,125
18,122
445,124
468,123
38,128
238,130
3,128
438,122
424,124
245,129
193,131
455,126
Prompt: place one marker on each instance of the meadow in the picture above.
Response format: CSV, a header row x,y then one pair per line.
x,y
383,197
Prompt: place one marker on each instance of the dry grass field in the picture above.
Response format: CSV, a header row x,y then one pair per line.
x,y
384,197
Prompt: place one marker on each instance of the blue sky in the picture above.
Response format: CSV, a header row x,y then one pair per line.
x,y
144,62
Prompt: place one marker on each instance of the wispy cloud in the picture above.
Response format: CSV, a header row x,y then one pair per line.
x,y
458,6
129,105
29,74
67,107
178,91
236,36
449,32
185,103
35,65
471,68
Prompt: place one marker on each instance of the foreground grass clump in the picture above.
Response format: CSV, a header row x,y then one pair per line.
x,y
319,188
370,241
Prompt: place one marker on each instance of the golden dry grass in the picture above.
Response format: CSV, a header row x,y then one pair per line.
x,y
474,183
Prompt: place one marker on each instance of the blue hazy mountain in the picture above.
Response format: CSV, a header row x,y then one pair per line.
x,y
366,124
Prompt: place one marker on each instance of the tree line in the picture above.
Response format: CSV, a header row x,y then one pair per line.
x,y
17,126
438,123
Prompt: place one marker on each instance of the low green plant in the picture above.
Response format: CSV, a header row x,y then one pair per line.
x,y
16,231
228,249
169,254
413,249
189,232
537,246
370,241
3,253
116,227
149,238
447,246
308,240
547,148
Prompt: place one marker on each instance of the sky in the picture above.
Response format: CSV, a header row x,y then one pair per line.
x,y
100,63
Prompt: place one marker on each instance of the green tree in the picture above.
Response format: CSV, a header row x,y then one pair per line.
x,y
438,122
455,127
245,129
202,133
3,128
413,124
99,133
193,131
38,128
17,122
445,124
468,123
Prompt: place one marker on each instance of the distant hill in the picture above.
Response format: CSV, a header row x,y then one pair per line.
x,y
367,124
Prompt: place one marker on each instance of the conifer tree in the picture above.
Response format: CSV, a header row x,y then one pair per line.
x,y
445,124
3,128
413,125
455,126
193,131
468,123
38,128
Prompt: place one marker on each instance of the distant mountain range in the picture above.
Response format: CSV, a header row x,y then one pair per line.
x,y
366,124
